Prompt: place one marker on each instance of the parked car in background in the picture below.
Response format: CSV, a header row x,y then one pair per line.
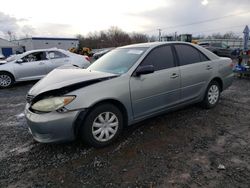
x,y
2,57
127,85
99,54
219,48
35,64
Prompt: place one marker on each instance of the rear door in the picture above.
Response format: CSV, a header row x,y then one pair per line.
x,y
159,90
196,70
34,66
57,59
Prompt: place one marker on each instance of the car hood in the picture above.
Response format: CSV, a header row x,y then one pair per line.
x,y
60,81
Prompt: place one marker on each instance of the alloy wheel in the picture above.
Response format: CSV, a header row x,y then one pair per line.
x,y
5,80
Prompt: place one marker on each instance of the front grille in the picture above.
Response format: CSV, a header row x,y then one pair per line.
x,y
29,98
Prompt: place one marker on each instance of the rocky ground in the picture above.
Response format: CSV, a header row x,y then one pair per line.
x,y
192,147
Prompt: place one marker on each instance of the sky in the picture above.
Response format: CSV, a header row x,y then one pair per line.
x,y
64,18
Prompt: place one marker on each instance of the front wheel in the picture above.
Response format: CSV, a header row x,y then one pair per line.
x,y
6,80
102,125
212,95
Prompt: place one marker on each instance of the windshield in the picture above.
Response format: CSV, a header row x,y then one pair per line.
x,y
12,58
118,61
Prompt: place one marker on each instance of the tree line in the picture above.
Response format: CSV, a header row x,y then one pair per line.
x,y
114,37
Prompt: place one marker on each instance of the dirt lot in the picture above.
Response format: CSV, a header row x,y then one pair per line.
x,y
180,149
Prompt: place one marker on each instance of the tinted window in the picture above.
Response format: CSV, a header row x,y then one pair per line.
x,y
188,55
219,45
160,58
203,57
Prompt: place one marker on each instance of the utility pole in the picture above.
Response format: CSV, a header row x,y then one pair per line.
x,y
159,34
175,35
10,35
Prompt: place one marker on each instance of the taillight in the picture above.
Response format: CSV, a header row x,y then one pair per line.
x,y
87,58
231,65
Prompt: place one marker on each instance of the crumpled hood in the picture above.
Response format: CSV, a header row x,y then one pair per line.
x,y
68,79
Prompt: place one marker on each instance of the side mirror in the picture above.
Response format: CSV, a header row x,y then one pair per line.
x,y
19,61
146,69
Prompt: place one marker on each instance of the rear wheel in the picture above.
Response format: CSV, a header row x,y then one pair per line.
x,y
212,95
6,80
102,125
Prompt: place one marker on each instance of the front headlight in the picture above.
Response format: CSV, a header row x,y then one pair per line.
x,y
52,104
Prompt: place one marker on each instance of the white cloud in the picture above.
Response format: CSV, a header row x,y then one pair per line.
x,y
68,18
17,27
83,15
204,2
181,14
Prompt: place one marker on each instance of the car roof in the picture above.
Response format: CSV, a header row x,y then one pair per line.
x,y
153,44
204,43
42,50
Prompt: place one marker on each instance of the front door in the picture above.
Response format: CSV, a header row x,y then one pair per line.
x,y
157,91
33,66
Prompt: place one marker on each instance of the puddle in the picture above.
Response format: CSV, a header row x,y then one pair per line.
x,y
23,148
21,115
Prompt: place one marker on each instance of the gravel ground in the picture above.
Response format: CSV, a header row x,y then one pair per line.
x,y
192,147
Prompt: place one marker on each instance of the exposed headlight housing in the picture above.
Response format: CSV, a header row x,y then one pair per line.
x,y
52,104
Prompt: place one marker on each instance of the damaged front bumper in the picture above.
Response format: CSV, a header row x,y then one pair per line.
x,y
51,127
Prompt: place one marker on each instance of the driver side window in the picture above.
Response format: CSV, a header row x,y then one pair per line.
x,y
36,56
160,57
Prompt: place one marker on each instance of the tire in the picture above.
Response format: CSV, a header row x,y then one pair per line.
x,y
6,80
96,130
212,95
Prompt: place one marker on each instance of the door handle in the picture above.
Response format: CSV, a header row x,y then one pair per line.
x,y
174,75
209,67
41,63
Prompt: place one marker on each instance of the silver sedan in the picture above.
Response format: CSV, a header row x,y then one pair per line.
x,y
35,64
127,85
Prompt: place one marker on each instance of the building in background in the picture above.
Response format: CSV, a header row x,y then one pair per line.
x,y
8,48
233,43
34,43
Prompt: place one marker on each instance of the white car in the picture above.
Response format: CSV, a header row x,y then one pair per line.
x,y
35,64
1,57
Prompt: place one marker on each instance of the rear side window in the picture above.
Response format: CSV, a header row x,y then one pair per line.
x,y
203,57
189,55
160,58
56,55
219,45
